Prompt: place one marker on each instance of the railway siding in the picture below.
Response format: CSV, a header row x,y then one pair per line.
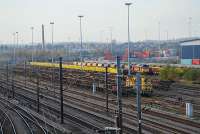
x,y
89,109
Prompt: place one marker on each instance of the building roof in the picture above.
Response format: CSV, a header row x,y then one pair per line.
x,y
190,42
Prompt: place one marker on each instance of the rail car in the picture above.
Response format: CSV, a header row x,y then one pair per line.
x,y
87,69
77,66
145,69
142,68
128,82
146,85
100,67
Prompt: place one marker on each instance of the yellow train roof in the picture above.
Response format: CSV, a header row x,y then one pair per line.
x,y
78,67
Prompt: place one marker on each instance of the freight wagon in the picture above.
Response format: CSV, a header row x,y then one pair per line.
x,y
128,82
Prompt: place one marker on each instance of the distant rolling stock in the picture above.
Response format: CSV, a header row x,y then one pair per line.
x,y
129,81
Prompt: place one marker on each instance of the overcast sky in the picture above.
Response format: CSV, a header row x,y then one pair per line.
x,y
100,15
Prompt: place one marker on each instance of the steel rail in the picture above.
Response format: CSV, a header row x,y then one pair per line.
x,y
11,122
3,121
26,123
36,121
45,122
21,115
53,127
66,115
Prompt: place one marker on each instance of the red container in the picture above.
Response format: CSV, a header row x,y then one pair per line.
x,y
196,62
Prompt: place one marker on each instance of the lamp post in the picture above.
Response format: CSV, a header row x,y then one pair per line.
x,y
167,35
128,5
43,41
146,35
14,38
81,37
111,38
32,28
189,27
52,41
159,38
17,34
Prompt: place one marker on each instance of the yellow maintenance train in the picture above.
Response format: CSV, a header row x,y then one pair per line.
x,y
128,81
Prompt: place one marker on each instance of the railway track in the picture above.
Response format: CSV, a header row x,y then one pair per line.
x,y
189,94
15,113
73,119
102,118
147,121
68,115
7,125
33,125
187,90
88,105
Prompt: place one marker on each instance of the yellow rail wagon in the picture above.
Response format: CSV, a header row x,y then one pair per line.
x,y
127,82
146,85
77,66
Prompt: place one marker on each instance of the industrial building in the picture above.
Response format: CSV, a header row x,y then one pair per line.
x,y
190,52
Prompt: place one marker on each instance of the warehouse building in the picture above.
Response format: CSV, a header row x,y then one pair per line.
x,y
190,52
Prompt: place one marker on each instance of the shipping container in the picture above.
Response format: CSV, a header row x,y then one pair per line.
x,y
108,55
186,61
196,61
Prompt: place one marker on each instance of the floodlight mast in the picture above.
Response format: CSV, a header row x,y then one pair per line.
x,y
52,39
128,5
81,37
32,28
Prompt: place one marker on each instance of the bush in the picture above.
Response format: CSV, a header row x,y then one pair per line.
x,y
192,75
169,73
164,73
174,74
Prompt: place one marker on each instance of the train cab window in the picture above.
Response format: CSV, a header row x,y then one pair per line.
x,y
89,64
94,64
79,63
113,65
100,65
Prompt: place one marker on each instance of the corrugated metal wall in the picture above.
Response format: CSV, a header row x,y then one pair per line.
x,y
190,52
196,52
187,52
